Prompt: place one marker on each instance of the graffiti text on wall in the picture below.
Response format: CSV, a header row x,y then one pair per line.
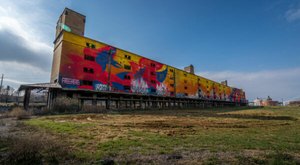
x,y
70,81
101,87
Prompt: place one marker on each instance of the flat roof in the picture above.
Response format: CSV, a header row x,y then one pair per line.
x,y
39,86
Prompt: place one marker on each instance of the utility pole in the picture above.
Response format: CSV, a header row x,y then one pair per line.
x,y
108,78
7,90
109,68
1,86
1,82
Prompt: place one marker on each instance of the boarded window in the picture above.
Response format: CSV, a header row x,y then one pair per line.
x,y
86,82
90,45
88,70
127,67
152,73
127,77
127,56
126,87
89,58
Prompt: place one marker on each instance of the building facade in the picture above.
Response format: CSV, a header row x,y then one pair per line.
x,y
84,64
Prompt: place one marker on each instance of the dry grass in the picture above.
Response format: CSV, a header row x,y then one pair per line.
x,y
251,112
19,113
34,148
65,105
213,136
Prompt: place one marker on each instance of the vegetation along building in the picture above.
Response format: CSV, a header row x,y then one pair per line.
x,y
87,69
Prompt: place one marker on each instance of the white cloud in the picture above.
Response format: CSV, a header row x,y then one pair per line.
x,y
27,30
293,15
279,84
21,24
15,81
16,74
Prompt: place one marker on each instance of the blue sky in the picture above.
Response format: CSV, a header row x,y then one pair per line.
x,y
254,44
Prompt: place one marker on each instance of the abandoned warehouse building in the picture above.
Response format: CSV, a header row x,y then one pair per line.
x,y
105,76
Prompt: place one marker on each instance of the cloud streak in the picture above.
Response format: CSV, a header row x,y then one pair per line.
x,y
293,15
16,73
26,41
279,84
20,41
16,48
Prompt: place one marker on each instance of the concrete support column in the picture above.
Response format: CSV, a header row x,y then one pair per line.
x,y
130,103
81,104
49,100
108,103
117,104
26,99
94,101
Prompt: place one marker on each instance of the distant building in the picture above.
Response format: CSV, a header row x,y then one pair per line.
x,y
294,103
257,102
265,102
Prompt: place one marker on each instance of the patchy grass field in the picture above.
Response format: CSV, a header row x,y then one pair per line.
x,y
212,136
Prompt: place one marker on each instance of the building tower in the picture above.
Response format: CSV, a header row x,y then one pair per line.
x,y
189,69
225,82
69,21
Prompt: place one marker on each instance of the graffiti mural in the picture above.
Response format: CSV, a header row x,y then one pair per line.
x,y
100,87
70,81
139,86
161,89
106,68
